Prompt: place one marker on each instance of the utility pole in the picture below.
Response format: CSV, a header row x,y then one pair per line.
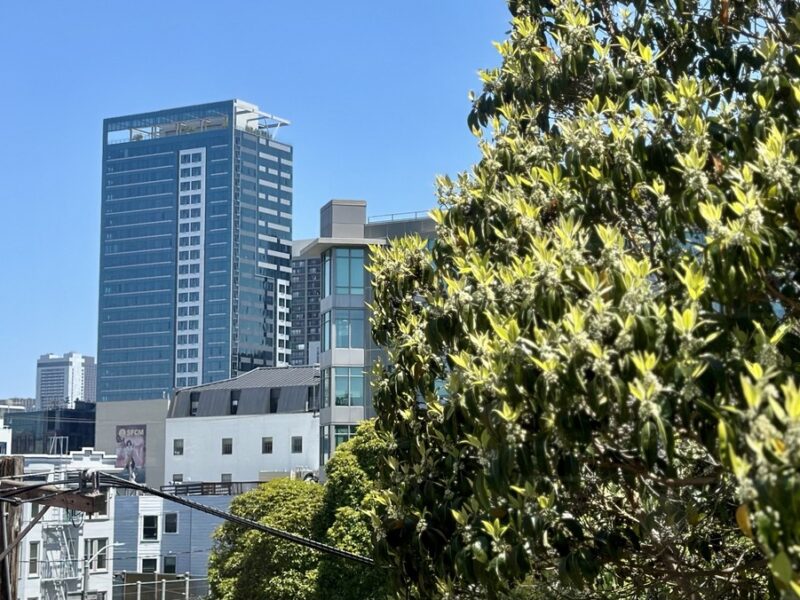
x,y
10,466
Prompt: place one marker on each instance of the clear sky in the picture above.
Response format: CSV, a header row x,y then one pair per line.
x,y
376,92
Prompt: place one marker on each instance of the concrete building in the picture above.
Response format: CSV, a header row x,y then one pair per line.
x,y
196,230
347,351
145,420
258,426
63,380
55,553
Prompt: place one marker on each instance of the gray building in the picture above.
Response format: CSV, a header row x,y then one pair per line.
x,y
63,380
196,229
306,288
346,348
159,536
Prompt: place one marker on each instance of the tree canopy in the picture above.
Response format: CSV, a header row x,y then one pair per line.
x,y
591,383
250,565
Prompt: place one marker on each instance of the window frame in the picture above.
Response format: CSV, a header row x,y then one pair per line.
x,y
33,559
227,448
175,450
155,528
292,446
155,566
166,521
267,449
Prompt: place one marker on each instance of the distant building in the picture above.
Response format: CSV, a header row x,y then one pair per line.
x,y
258,426
5,429
306,289
61,381
347,351
196,230
25,403
52,431
55,552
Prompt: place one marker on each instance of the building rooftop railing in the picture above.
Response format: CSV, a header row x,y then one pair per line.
x,y
210,488
403,216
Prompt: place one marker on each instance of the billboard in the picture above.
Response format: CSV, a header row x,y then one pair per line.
x,y
131,450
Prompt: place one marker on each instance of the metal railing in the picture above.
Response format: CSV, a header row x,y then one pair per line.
x,y
404,216
210,488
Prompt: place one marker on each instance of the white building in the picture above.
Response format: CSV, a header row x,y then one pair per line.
x,y
63,380
255,427
54,554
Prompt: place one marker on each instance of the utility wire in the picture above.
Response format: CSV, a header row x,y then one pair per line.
x,y
284,535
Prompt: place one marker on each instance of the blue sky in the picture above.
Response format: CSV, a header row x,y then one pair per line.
x,y
376,92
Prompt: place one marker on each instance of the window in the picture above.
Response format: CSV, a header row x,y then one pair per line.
x,y
227,445
325,389
274,396
349,386
177,447
349,327
177,478
226,478
342,433
171,522
149,565
185,158
96,552
349,270
326,331
194,400
297,444
170,564
235,395
33,559
326,274
266,445
150,527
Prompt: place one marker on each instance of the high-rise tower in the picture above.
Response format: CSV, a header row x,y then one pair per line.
x,y
195,251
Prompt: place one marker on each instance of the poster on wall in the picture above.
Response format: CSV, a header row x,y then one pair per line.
x,y
131,446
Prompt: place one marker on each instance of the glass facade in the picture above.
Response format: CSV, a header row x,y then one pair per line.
x,y
349,327
195,229
349,268
349,386
304,338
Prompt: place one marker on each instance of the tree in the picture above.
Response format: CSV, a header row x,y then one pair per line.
x,y
351,475
589,384
250,565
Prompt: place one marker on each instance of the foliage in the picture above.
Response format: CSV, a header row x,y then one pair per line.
x,y
249,565
612,303
351,474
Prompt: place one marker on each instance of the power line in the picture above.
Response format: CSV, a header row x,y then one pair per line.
x,y
284,535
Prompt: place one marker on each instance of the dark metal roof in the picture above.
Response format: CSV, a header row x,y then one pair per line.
x,y
264,377
261,391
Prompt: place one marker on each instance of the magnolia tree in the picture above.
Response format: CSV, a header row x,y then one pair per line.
x,y
591,383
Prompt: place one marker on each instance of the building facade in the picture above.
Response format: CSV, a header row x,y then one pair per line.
x,y
163,537
63,380
306,288
346,348
259,426
55,431
195,248
55,553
